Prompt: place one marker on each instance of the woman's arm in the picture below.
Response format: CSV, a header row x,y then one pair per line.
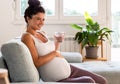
x,y
57,45
38,60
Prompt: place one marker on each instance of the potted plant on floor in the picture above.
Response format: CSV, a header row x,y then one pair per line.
x,y
90,35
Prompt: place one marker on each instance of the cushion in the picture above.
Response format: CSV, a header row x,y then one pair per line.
x,y
72,57
19,62
2,63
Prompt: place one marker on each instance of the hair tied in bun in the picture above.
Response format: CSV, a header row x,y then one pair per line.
x,y
34,3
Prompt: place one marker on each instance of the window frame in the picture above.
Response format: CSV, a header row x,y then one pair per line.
x,y
80,19
60,19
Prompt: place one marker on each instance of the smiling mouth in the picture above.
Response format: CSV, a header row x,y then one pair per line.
x,y
39,26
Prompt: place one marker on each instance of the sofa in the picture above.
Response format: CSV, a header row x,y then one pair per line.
x,y
16,58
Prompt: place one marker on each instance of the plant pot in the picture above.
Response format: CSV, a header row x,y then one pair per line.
x,y
91,52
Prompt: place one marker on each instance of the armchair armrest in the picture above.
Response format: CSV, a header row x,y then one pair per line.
x,y
72,57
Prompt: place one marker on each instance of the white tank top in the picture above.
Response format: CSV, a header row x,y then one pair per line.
x,y
55,70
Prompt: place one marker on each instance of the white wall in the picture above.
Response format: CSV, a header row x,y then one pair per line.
x,y
9,30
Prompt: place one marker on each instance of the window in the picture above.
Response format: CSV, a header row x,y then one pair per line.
x,y
115,48
60,12
79,8
115,8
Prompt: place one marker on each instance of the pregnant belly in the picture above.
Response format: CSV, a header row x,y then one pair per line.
x,y
55,70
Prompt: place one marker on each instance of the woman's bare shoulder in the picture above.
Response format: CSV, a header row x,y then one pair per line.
x,y
26,37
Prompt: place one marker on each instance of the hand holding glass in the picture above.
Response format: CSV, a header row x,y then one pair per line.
x,y
59,36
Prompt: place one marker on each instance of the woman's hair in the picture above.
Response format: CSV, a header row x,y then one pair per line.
x,y
33,8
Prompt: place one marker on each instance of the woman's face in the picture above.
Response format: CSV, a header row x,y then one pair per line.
x,y
37,21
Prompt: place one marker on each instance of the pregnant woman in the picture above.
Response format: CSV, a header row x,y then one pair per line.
x,y
49,62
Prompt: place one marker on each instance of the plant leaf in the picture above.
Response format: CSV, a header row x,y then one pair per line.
x,y
75,26
88,18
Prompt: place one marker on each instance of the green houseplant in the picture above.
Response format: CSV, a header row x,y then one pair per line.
x,y
90,35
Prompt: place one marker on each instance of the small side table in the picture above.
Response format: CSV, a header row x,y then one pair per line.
x,y
97,59
4,76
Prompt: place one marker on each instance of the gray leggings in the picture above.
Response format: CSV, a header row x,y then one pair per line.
x,y
82,76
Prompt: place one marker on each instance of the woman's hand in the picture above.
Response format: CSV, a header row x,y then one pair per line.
x,y
58,37
57,54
